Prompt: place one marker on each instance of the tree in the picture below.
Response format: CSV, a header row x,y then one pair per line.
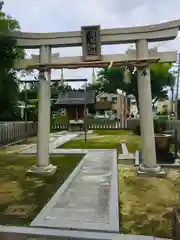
x,y
9,89
109,80
56,88
1,5
31,92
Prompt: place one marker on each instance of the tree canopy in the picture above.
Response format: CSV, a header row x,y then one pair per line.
x,y
9,89
109,80
32,90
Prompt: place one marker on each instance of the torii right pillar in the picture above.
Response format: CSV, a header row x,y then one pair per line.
x,y
149,165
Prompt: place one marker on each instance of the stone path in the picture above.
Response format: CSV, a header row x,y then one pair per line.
x,y
20,148
88,200
55,141
65,234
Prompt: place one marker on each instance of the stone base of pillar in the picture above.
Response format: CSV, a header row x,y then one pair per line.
x,y
151,172
45,171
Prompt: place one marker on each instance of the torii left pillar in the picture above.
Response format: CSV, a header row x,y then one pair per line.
x,y
44,105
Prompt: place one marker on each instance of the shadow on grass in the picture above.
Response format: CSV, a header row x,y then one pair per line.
x,y
21,189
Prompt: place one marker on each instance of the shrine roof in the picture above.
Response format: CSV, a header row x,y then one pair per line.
x,y
76,98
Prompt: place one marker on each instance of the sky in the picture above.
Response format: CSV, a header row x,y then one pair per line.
x,y
70,15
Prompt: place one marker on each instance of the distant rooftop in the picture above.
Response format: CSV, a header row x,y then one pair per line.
x,y
76,97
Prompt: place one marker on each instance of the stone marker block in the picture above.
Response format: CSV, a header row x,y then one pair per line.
x,y
126,159
124,148
127,156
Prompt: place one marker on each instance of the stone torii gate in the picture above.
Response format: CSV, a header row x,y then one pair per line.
x,y
91,38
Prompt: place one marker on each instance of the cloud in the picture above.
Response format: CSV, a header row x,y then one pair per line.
x,y
61,15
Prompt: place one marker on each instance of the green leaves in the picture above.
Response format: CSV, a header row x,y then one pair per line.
x,y
1,5
9,90
112,79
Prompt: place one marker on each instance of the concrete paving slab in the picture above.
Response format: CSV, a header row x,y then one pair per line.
x,y
17,233
55,141
88,200
24,147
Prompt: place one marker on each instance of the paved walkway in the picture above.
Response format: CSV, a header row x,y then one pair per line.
x,y
88,200
56,140
66,234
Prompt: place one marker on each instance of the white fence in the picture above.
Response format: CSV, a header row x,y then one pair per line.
x,y
14,131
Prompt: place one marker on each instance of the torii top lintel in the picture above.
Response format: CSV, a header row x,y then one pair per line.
x,y
152,33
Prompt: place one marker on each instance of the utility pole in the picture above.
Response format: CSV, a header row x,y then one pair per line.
x,y
177,95
85,113
172,98
26,114
177,86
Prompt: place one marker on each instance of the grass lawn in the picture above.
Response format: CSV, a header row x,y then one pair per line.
x,y
147,203
24,194
113,132
106,139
